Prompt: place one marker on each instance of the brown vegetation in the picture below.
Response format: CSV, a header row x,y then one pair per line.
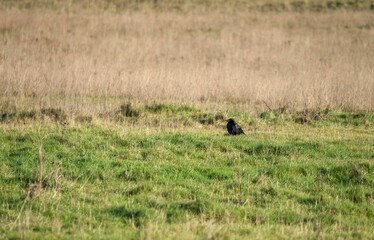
x,y
74,59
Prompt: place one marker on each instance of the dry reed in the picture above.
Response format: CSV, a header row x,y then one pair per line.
x,y
286,58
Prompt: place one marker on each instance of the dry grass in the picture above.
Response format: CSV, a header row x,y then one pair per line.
x,y
75,59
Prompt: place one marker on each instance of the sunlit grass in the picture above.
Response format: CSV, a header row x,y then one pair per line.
x,y
282,179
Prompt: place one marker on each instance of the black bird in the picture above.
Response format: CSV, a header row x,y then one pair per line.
x,y
233,128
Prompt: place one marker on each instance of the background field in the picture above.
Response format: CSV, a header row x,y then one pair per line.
x,y
59,52
113,113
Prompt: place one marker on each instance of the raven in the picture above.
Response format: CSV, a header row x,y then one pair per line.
x,y
233,128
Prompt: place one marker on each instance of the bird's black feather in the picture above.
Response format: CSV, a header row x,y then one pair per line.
x,y
233,128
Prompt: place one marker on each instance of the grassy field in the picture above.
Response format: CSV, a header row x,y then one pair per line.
x,y
113,114
166,172
299,59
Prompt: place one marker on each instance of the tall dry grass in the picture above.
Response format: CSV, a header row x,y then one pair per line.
x,y
285,58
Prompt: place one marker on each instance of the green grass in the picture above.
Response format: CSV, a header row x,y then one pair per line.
x,y
283,179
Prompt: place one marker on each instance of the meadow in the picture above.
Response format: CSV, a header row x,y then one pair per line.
x,y
299,59
184,177
113,119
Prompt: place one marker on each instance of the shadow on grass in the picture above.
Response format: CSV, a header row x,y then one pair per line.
x,y
137,216
286,149
175,211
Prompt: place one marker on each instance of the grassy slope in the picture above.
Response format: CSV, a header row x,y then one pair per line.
x,y
282,179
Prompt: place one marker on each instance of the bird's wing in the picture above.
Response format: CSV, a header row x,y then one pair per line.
x,y
238,128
